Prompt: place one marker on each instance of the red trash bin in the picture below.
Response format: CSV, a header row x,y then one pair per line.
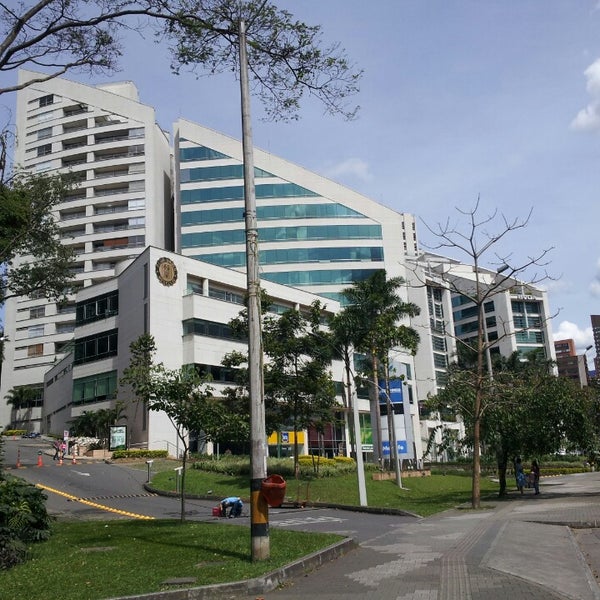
x,y
273,490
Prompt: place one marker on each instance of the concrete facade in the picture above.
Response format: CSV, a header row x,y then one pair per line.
x,y
122,203
188,319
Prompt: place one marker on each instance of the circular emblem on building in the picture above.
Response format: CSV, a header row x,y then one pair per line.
x,y
166,271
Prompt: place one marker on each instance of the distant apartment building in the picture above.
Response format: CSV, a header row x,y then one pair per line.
x,y
564,348
595,319
516,319
122,203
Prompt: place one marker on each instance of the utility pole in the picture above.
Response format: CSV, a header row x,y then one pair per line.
x,y
259,509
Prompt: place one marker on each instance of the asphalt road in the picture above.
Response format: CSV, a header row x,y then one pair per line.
x,y
97,490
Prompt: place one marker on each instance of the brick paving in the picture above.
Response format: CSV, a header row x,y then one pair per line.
x,y
521,548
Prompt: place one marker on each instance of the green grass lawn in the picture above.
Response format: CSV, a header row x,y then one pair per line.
x,y
420,495
103,559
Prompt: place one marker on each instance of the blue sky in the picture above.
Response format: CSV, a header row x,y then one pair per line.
x,y
459,98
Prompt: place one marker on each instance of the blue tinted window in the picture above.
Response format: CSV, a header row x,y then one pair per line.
x,y
236,192
295,255
218,173
273,234
335,276
286,211
199,153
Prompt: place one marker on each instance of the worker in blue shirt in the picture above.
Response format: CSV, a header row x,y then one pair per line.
x,y
235,505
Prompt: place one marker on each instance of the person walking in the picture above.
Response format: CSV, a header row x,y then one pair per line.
x,y
535,471
519,474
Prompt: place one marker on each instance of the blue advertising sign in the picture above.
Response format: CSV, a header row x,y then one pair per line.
x,y
402,447
395,392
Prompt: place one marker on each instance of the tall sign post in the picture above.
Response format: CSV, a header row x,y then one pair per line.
x,y
259,509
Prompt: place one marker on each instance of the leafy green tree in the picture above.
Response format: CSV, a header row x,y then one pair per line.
x,y
182,394
28,230
374,313
298,384
299,389
528,411
286,57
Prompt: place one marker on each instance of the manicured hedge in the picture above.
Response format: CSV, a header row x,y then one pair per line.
x,y
139,454
13,432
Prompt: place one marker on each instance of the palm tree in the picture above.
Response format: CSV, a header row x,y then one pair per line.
x,y
21,397
374,310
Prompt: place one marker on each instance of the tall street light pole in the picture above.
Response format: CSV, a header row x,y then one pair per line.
x,y
259,509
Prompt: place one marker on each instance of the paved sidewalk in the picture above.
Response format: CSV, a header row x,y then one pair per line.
x,y
544,547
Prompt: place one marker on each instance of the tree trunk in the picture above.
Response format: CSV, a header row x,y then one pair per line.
x,y
376,415
476,482
502,459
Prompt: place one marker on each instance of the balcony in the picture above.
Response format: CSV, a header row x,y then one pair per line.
x,y
110,209
136,241
78,109
75,143
112,173
125,153
67,216
111,191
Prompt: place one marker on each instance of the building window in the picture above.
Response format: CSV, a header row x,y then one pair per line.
x,y
96,347
42,134
35,331
208,329
37,311
35,350
199,153
97,308
44,150
95,388
46,100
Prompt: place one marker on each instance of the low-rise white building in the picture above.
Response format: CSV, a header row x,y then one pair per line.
x,y
186,306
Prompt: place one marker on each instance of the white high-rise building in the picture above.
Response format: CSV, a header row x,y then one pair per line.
x,y
314,234
122,204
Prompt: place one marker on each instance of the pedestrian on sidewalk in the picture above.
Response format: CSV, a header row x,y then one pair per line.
x,y
520,475
535,471
56,446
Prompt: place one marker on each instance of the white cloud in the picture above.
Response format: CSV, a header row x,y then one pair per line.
x,y
354,167
588,118
571,331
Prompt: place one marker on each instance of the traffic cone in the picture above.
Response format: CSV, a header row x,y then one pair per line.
x,y
40,462
19,459
73,460
60,460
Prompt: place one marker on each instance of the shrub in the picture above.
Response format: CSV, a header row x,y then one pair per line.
x,y
14,432
23,520
23,510
139,454
12,551
309,465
